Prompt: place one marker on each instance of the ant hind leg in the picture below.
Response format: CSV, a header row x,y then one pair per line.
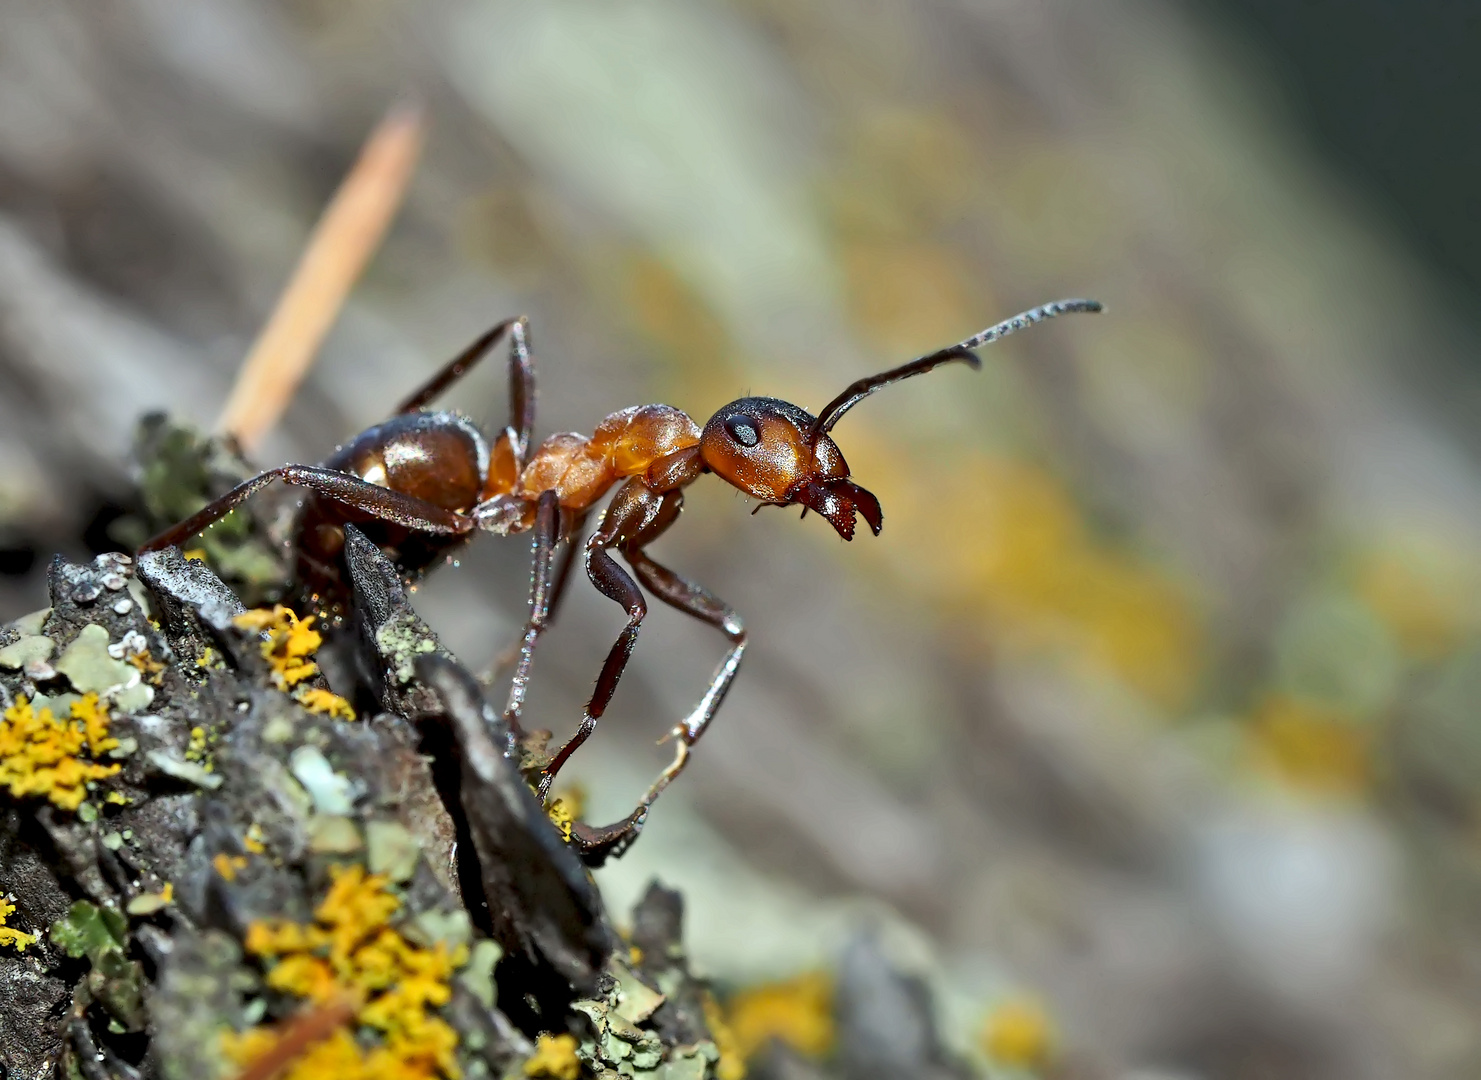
x,y
381,503
521,378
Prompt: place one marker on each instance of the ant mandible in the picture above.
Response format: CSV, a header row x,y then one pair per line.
x,y
423,482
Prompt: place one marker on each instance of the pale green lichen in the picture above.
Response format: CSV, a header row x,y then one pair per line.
x,y
31,624
188,771
90,669
477,975
32,649
333,834
332,792
401,643
391,849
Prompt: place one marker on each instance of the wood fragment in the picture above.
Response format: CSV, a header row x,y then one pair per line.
x,y
342,243
312,1025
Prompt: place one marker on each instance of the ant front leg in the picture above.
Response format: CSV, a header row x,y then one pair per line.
x,y
543,588
381,503
696,600
636,510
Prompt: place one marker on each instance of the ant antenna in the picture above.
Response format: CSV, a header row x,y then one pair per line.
x,y
857,392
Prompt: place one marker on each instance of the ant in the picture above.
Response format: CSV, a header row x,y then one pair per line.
x,y
422,482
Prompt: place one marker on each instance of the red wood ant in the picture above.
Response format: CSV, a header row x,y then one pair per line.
x,y
423,482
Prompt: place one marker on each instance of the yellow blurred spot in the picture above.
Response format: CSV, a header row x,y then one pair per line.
x,y
677,319
555,1057
797,1011
1424,602
1018,1033
731,1064
1008,541
196,554
907,296
1311,746
672,313
228,865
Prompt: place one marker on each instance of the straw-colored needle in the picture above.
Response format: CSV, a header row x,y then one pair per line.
x,y
342,243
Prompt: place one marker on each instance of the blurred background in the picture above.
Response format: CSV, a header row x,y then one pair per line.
x,y
1148,731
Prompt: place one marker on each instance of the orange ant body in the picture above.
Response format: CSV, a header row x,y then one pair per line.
x,y
423,482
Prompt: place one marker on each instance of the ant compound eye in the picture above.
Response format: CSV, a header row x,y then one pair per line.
x,y
743,429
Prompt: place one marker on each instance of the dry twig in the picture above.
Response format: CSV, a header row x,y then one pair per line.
x,y
342,243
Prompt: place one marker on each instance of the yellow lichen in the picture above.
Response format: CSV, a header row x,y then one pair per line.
x,y
289,648
94,716
797,1011
323,701
731,1064
148,666
1018,1033
9,935
39,754
561,815
351,951
290,642
554,1057
566,809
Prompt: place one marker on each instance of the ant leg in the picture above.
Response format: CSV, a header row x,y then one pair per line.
x,y
521,387
379,502
563,571
612,582
636,511
695,600
557,593
521,378
547,533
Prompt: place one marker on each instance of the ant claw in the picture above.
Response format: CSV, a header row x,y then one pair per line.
x,y
595,844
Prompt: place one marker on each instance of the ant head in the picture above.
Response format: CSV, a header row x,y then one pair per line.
x,y
771,450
